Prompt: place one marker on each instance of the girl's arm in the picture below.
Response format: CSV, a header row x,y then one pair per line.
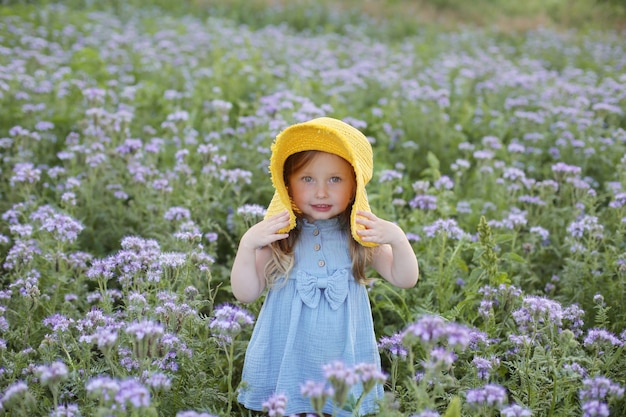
x,y
247,276
394,259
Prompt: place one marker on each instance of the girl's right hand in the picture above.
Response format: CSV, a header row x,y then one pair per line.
x,y
266,231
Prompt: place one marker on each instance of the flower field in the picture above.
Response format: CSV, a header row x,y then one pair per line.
x,y
134,152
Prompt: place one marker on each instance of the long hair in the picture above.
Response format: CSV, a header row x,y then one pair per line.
x,y
282,259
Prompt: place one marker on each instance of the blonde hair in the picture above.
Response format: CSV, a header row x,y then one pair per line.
x,y
282,259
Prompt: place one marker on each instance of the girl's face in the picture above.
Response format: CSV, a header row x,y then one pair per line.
x,y
323,187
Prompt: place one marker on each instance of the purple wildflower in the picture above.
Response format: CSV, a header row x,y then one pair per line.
x,y
58,322
275,405
177,213
13,392
52,374
252,210
444,183
483,367
515,410
595,408
369,375
600,388
159,381
393,345
25,172
426,413
448,227
193,414
228,321
618,201
439,358
388,175
132,393
492,395
424,202
565,169
145,336
65,410
317,392
433,329
341,378
63,228
601,337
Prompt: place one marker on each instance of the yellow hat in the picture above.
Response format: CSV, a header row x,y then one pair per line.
x,y
327,135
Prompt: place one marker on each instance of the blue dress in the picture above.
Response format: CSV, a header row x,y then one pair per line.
x,y
319,315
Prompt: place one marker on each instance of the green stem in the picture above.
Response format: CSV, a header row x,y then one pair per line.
x,y
230,354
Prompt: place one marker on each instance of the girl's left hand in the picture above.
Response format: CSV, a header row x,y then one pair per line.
x,y
378,230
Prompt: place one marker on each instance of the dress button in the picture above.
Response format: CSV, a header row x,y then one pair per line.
x,y
317,246
316,232
321,262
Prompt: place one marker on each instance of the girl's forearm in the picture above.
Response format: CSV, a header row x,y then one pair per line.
x,y
244,279
404,268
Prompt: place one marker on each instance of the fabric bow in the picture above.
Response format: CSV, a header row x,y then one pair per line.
x,y
335,288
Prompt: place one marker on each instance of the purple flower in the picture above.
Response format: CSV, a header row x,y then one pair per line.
x,y
25,172
66,410
388,175
515,410
483,367
132,393
58,322
600,388
426,413
537,311
601,337
427,329
586,224
490,395
63,228
52,374
228,321
317,392
341,378
159,381
15,390
595,408
433,329
424,202
370,375
252,210
393,345
449,227
439,358
145,336
177,213
275,405
193,414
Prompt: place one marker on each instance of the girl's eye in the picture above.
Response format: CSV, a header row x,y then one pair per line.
x,y
307,179
335,179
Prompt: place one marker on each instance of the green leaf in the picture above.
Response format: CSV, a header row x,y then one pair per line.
x,y
454,408
511,256
433,161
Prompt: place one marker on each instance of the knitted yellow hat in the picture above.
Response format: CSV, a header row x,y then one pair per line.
x,y
327,135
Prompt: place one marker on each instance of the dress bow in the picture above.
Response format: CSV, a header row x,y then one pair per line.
x,y
335,288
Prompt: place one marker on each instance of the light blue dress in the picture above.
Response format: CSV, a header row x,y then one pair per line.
x,y
320,315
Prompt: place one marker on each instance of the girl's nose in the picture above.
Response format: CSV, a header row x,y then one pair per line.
x,y
321,191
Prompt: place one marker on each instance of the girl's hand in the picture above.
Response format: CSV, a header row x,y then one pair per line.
x,y
394,259
378,230
266,231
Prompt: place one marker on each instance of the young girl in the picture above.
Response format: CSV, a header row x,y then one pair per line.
x,y
311,251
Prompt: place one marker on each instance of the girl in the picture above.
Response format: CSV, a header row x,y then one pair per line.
x,y
312,250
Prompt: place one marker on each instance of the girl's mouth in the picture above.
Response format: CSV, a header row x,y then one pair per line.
x,y
322,207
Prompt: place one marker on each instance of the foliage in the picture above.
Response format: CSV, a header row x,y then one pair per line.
x,y
134,148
